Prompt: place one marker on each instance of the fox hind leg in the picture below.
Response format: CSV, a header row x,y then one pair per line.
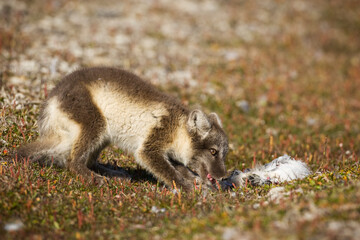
x,y
83,158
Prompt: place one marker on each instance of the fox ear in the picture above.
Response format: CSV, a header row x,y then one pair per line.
x,y
215,118
199,122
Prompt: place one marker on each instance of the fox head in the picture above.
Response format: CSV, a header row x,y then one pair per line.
x,y
210,144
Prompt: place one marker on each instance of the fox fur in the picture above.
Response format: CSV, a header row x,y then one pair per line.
x,y
92,108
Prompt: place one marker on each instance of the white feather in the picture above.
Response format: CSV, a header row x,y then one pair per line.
x,y
279,170
282,169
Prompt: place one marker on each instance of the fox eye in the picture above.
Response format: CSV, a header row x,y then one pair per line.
x,y
213,151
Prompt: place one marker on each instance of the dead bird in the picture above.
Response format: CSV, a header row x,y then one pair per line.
x,y
279,170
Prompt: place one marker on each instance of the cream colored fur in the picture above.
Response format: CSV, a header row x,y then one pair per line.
x,y
130,132
59,131
181,145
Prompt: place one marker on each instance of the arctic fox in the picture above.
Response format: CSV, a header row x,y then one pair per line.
x,y
94,107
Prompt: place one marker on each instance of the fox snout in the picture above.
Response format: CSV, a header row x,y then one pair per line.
x,y
218,171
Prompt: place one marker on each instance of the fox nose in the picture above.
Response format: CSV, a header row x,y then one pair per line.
x,y
218,172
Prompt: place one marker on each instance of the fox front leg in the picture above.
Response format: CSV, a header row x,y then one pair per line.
x,y
158,164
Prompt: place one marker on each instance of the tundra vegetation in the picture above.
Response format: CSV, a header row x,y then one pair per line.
x,y
284,76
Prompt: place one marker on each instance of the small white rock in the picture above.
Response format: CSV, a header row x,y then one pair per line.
x,y
155,209
14,226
